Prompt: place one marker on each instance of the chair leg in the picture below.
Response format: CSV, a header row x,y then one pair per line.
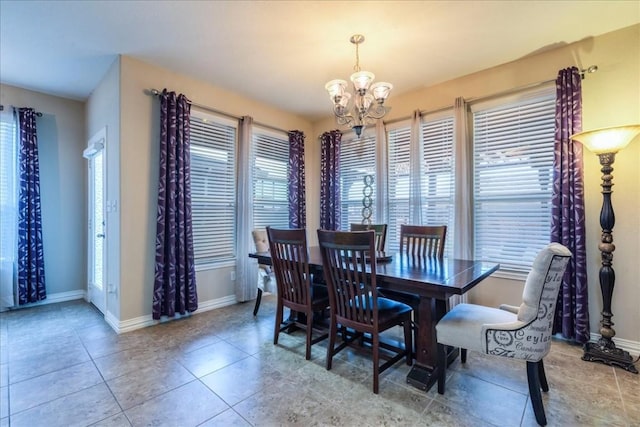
x,y
533,377
309,333
463,355
442,367
332,340
375,343
408,342
543,377
276,331
258,299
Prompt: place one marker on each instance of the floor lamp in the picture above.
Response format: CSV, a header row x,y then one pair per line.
x,y
606,143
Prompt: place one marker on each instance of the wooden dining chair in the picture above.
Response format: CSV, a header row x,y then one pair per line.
x,y
522,332
379,229
348,260
423,240
418,242
290,261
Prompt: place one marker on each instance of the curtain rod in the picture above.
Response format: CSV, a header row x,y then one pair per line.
x,y
583,72
38,113
156,92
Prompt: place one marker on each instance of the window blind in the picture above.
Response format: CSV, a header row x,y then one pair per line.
x,y
438,177
213,188
357,160
513,179
270,164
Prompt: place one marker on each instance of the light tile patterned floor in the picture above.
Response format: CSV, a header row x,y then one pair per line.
x,y
61,365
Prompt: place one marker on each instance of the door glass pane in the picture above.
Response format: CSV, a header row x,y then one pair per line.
x,y
98,220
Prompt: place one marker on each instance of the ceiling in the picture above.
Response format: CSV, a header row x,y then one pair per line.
x,y
283,52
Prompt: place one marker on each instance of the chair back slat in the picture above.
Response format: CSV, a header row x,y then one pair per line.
x,y
290,261
349,269
379,229
423,240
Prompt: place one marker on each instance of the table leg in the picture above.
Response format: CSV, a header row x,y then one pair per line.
x,y
423,372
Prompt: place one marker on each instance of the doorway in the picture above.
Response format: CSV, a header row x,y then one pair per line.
x,y
96,224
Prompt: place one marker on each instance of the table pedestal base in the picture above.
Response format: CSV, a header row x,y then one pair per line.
x,y
423,377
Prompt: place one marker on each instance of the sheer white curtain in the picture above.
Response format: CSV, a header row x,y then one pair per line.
x,y
463,244
246,268
415,168
462,149
9,207
381,175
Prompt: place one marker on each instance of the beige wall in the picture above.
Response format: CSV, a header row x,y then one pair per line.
x,y
139,136
62,186
610,97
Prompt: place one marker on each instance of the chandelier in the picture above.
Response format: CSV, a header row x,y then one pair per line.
x,y
368,99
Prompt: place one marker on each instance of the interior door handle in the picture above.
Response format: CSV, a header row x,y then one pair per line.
x,y
100,235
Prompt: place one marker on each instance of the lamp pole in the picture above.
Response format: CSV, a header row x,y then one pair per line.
x,y
605,350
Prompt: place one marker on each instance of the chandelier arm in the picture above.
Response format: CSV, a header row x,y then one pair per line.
x,y
344,119
376,112
342,113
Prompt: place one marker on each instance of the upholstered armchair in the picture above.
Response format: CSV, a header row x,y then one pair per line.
x,y
266,280
522,332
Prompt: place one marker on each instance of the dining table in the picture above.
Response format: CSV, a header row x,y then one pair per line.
x,y
434,281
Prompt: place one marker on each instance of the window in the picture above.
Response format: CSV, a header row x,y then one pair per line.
x,y
437,181
513,179
270,179
213,188
357,160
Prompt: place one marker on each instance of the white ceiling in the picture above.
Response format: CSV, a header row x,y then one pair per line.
x,y
283,52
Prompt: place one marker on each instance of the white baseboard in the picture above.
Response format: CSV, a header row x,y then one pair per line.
x,y
633,347
147,320
52,299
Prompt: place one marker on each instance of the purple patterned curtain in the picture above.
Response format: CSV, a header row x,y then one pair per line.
x,y
31,283
330,180
567,208
174,287
297,202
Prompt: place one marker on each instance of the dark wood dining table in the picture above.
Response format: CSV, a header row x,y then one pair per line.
x,y
434,281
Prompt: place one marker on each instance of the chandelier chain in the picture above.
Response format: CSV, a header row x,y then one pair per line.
x,y
356,67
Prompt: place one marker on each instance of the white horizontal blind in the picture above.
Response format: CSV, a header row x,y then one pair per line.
x,y
513,179
213,188
270,163
8,167
357,160
398,140
438,177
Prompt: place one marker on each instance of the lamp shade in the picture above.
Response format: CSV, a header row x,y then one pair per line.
x,y
607,140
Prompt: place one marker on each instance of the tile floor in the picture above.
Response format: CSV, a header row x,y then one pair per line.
x,y
61,365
